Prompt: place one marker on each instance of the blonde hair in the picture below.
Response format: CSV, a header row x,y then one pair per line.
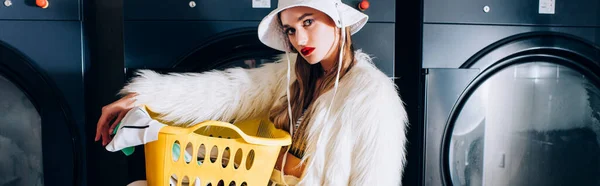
x,y
305,90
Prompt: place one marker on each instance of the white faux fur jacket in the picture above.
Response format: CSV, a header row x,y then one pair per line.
x,y
362,143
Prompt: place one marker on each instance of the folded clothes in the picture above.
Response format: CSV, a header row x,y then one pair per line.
x,y
136,128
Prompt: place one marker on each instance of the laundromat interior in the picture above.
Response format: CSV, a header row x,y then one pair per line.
x,y
492,93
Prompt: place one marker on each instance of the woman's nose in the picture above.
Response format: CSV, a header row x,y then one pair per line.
x,y
301,37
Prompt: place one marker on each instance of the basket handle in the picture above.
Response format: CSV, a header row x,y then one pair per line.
x,y
281,141
278,141
209,123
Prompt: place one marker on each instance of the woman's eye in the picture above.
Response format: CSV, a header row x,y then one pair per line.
x,y
308,22
290,31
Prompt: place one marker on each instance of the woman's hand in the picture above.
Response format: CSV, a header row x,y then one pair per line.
x,y
116,111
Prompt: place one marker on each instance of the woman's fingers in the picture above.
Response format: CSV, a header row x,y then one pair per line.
x,y
102,122
105,136
119,118
118,108
108,113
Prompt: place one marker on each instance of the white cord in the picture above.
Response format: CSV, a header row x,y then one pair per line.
x,y
290,115
337,78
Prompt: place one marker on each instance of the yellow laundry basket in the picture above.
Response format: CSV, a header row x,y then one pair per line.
x,y
215,153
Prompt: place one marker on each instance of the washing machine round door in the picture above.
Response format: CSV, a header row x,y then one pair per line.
x,y
20,138
38,139
530,119
235,48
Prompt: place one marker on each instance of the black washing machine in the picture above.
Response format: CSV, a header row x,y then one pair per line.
x,y
197,36
512,92
42,57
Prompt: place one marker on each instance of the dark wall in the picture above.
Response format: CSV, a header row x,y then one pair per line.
x,y
408,69
103,22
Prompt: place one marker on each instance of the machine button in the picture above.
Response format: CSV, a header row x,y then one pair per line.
x,y
42,3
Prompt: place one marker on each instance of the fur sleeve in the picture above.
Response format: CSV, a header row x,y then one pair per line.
x,y
378,156
189,98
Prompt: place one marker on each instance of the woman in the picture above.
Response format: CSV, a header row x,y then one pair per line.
x,y
358,138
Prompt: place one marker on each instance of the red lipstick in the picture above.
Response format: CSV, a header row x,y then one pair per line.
x,y
307,50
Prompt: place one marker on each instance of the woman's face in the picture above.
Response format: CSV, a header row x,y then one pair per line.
x,y
311,32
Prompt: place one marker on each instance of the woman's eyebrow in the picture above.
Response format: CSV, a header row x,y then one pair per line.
x,y
304,15
299,19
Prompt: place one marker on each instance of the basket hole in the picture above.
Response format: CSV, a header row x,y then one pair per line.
x,y
232,183
221,183
214,152
250,160
238,158
174,180
244,184
176,151
201,154
225,159
189,150
197,182
185,181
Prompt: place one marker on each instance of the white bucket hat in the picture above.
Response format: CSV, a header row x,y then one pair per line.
x,y
270,33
